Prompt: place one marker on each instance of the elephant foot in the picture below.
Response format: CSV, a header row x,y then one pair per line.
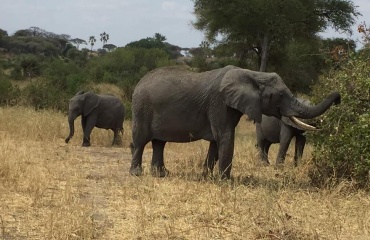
x,y
136,171
117,142
207,173
279,165
86,144
159,172
264,163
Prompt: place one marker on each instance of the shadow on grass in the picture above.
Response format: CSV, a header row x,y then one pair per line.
x,y
277,182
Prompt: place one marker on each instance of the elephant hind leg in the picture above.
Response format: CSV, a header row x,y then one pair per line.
x,y
263,150
300,142
136,168
117,139
285,138
157,167
211,160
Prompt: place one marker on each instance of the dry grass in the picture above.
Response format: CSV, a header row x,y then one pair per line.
x,y
53,190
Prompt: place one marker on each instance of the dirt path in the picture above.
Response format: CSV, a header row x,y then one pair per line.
x,y
106,173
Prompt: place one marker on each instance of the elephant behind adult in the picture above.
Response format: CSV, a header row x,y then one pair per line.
x,y
273,130
172,104
96,110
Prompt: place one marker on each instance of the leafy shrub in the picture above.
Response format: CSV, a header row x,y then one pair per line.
x,y
16,73
126,66
9,93
342,148
43,94
66,76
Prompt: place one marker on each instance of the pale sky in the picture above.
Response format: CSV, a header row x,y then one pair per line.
x,y
124,20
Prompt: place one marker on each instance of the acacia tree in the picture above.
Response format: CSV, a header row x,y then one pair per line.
x,y
261,25
159,37
78,42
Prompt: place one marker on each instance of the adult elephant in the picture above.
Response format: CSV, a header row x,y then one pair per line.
x,y
273,130
96,110
172,104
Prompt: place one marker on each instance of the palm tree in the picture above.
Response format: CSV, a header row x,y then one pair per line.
x,y
92,41
104,37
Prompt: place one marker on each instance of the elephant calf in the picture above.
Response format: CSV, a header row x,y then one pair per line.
x,y
96,110
273,130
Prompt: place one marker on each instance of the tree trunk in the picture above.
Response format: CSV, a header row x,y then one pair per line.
x,y
264,54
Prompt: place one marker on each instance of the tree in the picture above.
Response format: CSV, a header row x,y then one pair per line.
x,y
262,25
159,37
78,42
104,37
3,33
110,47
92,41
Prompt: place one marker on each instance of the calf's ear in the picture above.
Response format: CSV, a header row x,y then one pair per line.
x,y
91,101
241,92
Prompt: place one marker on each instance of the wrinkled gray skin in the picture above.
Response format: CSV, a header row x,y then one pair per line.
x,y
172,104
96,110
273,130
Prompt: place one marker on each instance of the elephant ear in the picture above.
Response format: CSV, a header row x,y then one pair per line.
x,y
91,102
241,92
80,92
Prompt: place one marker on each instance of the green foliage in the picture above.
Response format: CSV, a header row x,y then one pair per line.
x,y
157,41
16,73
79,57
36,41
126,66
9,93
264,26
42,94
299,63
342,148
67,76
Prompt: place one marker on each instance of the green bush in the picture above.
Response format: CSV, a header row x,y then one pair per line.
x,y
9,93
43,94
68,76
126,66
16,73
342,148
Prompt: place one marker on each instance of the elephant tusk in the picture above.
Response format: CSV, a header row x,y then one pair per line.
x,y
303,125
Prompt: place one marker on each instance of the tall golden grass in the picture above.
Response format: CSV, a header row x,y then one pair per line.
x,y
53,190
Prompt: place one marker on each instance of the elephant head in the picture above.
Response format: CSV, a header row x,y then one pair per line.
x,y
83,103
256,93
304,124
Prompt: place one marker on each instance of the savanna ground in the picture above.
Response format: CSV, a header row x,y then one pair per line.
x,y
53,190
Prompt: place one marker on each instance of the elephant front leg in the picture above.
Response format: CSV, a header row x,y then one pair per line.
x,y
285,138
226,152
158,169
211,160
87,126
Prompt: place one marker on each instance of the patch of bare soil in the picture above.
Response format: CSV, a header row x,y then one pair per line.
x,y
106,178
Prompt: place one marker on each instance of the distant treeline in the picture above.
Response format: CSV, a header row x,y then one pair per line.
x,y
58,67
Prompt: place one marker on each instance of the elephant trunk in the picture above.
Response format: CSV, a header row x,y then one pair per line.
x,y
306,111
71,121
